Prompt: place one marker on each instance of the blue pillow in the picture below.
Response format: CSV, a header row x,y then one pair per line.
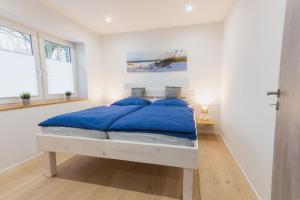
x,y
132,101
171,102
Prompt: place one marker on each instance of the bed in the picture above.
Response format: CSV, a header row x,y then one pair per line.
x,y
146,133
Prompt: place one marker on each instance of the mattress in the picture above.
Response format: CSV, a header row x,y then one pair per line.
x,y
150,138
76,132
122,136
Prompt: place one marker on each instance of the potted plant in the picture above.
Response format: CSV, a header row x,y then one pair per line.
x,y
68,95
25,96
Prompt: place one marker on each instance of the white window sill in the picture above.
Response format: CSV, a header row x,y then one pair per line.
x,y
14,106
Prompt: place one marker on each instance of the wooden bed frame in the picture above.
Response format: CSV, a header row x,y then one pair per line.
x,y
160,154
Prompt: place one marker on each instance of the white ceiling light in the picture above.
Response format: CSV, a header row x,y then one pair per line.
x,y
108,19
189,7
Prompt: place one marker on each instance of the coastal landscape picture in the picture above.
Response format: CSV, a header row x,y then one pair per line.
x,y
157,61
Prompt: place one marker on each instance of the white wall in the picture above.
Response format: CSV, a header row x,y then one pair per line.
x,y
18,127
204,45
251,61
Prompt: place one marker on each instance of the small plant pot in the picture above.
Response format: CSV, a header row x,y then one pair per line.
x,y
26,101
68,97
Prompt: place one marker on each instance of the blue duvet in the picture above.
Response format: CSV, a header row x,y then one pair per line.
x,y
98,118
166,120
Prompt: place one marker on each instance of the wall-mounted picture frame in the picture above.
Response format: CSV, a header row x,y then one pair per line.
x,y
157,61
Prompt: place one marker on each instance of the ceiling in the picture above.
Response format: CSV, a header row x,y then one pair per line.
x,y
136,15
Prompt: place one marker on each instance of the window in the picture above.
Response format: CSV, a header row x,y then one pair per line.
x,y
15,41
17,64
41,65
57,52
59,67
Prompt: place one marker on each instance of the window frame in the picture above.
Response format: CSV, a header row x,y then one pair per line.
x,y
42,37
35,53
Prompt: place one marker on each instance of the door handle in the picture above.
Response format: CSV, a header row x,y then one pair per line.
x,y
277,93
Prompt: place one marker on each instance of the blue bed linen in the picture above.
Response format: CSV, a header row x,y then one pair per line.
x,y
167,120
98,118
132,101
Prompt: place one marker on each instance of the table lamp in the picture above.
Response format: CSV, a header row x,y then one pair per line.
x,y
204,110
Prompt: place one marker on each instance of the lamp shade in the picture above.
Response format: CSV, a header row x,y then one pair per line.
x,y
204,109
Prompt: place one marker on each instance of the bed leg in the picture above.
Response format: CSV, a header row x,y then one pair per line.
x,y
187,184
50,160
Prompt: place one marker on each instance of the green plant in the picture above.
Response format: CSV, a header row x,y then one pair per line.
x,y
25,95
68,93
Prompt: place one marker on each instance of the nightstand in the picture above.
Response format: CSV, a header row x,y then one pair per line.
x,y
205,126
205,122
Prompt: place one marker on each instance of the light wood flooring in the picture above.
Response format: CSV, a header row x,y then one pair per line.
x,y
87,178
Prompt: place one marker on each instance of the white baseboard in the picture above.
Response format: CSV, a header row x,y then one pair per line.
x,y
21,162
241,168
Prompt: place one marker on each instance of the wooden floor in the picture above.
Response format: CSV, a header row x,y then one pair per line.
x,y
87,178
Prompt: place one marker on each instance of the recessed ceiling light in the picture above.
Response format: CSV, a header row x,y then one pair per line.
x,y
189,7
108,19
